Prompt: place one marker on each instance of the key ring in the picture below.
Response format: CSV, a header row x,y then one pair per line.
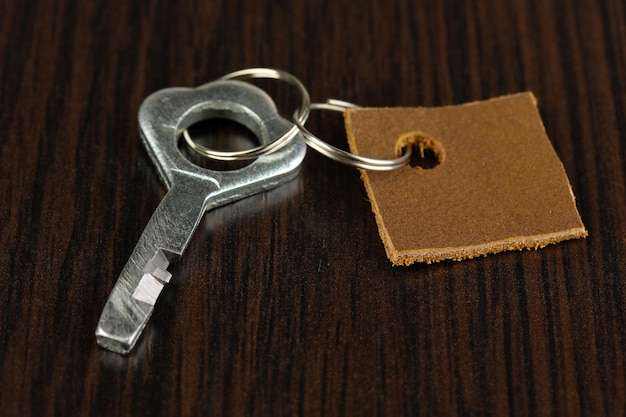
x,y
275,144
340,155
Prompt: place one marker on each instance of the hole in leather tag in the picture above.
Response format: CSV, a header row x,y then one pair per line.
x,y
498,184
428,152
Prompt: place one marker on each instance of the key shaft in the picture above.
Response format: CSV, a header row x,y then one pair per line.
x,y
144,276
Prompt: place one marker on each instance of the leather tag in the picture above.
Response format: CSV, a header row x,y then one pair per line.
x,y
489,181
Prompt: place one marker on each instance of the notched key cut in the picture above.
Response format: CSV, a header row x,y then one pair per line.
x,y
192,191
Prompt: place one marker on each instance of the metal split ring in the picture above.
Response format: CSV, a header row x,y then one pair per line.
x,y
300,117
342,156
273,145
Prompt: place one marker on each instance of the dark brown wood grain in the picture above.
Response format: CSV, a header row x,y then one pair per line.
x,y
284,303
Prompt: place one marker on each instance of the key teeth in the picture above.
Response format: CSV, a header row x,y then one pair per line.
x,y
160,259
148,289
157,272
154,279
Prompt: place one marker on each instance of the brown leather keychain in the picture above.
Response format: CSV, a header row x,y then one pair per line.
x,y
482,178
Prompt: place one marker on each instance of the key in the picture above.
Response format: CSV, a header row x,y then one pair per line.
x,y
192,191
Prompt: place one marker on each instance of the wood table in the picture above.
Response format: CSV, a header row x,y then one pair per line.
x,y
285,304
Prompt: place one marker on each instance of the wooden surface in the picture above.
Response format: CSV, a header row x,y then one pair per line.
x,y
285,304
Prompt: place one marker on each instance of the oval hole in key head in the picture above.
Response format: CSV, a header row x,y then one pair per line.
x,y
221,134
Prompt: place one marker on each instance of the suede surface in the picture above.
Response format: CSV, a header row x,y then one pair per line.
x,y
499,185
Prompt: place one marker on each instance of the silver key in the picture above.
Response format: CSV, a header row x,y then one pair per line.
x,y
191,192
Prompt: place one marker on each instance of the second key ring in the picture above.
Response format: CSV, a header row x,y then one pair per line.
x,y
342,156
275,144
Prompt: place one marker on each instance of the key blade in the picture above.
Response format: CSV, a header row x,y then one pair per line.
x,y
124,318
144,276
168,233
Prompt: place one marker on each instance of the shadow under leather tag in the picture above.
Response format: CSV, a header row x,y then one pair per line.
x,y
497,183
